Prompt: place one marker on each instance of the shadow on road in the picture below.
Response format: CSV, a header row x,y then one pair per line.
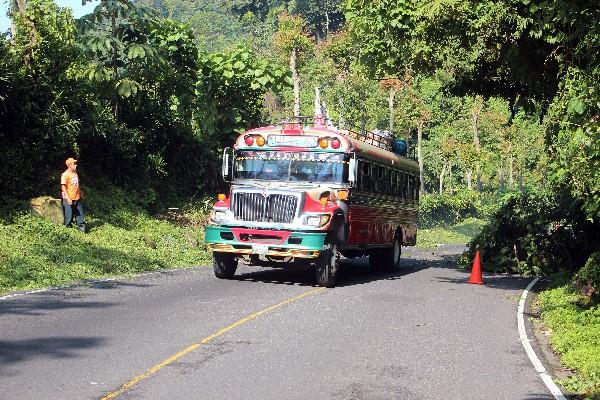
x,y
352,271
495,281
62,298
16,351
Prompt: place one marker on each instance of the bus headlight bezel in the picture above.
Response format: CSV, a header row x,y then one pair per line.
x,y
219,216
317,220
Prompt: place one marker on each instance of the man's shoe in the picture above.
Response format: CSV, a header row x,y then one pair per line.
x,y
81,228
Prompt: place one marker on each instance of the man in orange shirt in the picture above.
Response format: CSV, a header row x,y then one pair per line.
x,y
71,195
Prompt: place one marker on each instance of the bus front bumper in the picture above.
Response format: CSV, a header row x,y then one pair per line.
x,y
279,243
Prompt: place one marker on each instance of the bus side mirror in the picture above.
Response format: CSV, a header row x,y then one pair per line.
x,y
352,170
227,167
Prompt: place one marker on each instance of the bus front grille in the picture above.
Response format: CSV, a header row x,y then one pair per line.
x,y
255,207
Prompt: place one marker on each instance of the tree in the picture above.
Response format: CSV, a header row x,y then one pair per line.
x,y
116,34
231,89
324,16
292,42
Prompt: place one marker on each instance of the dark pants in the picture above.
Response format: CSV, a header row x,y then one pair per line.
x,y
73,209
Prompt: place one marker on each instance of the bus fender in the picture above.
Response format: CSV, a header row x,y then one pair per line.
x,y
338,229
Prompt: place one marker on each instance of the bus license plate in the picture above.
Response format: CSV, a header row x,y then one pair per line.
x,y
260,249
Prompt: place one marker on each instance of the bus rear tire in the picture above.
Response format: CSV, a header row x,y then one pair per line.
x,y
387,260
327,266
224,265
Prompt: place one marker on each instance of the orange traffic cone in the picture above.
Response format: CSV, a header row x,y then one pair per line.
x,y
476,277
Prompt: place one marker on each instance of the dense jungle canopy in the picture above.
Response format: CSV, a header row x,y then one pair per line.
x,y
496,96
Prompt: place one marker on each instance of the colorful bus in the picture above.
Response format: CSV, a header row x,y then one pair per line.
x,y
311,193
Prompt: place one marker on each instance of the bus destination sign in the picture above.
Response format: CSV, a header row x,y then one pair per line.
x,y
292,141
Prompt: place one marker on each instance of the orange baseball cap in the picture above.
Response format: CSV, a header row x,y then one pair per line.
x,y
70,161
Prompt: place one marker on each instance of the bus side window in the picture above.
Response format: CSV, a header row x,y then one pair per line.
x,y
411,188
366,172
417,187
380,179
359,175
408,186
393,190
387,181
399,183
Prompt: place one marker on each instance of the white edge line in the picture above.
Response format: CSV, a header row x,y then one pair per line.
x,y
546,378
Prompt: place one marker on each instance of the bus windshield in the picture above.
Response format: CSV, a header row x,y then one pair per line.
x,y
291,166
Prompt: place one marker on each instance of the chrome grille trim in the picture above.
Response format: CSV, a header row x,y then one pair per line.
x,y
256,207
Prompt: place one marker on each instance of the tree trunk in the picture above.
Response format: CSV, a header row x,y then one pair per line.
x,y
450,177
342,121
20,7
442,179
500,177
115,70
296,81
391,108
16,6
420,155
511,177
520,182
475,120
327,23
469,178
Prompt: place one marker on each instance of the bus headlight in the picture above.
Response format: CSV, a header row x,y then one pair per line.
x,y
317,220
218,216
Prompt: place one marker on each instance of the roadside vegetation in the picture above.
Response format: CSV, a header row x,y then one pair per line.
x,y
460,233
499,100
123,239
571,314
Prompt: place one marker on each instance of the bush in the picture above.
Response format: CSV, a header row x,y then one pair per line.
x,y
123,239
587,279
576,336
449,209
536,233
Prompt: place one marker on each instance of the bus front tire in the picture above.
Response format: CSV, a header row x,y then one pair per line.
x,y
327,266
224,265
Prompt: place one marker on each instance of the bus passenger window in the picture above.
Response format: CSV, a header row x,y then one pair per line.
x,y
417,187
365,176
394,188
380,180
386,180
408,186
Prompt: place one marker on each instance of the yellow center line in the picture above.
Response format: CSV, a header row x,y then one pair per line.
x,y
151,371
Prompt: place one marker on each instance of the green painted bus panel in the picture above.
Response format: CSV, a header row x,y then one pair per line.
x,y
310,241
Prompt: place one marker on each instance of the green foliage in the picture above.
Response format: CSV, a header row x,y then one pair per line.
x,y
449,209
123,240
117,37
535,233
460,233
291,36
588,278
576,336
574,116
231,88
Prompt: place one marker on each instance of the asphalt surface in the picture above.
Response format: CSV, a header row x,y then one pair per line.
x,y
421,333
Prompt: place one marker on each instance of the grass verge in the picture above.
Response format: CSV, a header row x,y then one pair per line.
x,y
462,232
123,240
575,335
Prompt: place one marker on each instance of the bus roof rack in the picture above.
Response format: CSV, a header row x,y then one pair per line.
x,y
380,140
383,140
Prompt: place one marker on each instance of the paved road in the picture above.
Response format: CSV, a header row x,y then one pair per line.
x,y
421,333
